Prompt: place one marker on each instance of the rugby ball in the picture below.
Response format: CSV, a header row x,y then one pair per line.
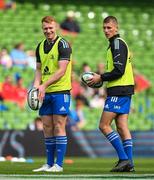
x,y
32,99
87,76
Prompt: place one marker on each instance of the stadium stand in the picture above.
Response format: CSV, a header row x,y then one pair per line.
x,y
136,20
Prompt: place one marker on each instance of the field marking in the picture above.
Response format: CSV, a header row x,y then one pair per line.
x,y
58,176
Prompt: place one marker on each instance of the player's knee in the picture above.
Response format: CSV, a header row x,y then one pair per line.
x,y
103,128
58,129
121,130
121,127
47,128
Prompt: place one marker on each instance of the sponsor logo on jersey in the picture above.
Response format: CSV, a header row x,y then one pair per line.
x,y
46,71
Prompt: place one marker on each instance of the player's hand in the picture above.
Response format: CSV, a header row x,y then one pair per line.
x,y
96,79
41,93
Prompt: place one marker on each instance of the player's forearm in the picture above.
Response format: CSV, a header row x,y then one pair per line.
x,y
113,75
37,79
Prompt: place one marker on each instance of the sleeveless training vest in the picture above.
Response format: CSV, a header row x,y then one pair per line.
x,y
127,78
49,65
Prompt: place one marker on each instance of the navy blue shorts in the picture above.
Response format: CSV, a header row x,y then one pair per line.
x,y
118,104
55,104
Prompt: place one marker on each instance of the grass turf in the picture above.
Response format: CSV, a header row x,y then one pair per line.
x,y
82,167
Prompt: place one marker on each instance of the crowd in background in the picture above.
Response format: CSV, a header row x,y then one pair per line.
x,y
17,57
5,5
13,88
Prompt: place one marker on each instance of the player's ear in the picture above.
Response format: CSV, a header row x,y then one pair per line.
x,y
116,28
57,26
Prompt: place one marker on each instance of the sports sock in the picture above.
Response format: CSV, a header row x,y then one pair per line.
x,y
61,144
128,147
115,140
50,143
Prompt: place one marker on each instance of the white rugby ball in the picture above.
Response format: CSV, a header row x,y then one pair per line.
x,y
32,99
87,76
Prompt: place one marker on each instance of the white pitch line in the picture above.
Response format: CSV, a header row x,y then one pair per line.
x,y
76,175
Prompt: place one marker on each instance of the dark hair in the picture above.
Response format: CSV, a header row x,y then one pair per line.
x,y
110,18
48,19
37,119
18,45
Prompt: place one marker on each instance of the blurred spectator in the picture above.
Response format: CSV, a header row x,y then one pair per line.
x,y
88,92
1,98
72,120
19,56
70,25
98,99
76,116
85,67
14,92
4,5
81,101
37,125
31,59
8,89
3,107
5,58
141,82
20,92
100,68
77,89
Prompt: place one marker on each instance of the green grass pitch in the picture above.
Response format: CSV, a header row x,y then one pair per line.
x,y
81,168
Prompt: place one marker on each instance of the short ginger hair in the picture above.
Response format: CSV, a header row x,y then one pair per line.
x,y
48,19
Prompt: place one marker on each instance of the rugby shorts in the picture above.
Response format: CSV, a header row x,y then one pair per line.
x,y
118,104
55,104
